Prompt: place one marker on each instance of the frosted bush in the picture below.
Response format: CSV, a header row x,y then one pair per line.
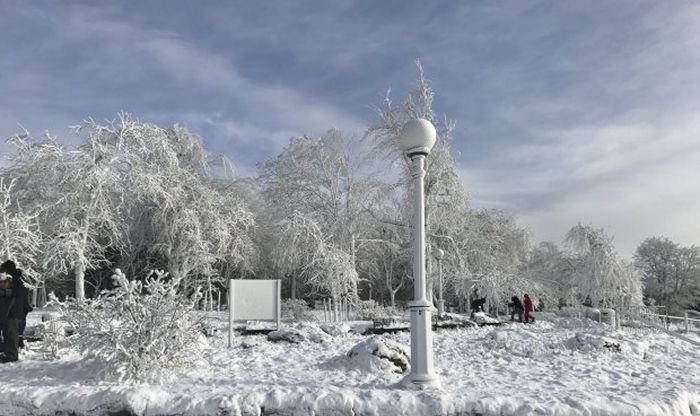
x,y
370,309
296,310
139,331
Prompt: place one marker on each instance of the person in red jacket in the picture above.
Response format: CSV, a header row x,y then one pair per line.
x,y
527,302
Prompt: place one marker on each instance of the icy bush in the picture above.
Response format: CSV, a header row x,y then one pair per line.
x,y
139,331
370,309
296,310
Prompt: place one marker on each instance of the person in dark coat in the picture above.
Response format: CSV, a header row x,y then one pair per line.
x,y
13,301
528,307
516,308
23,323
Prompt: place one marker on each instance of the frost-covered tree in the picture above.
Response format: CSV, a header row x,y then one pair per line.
x,y
304,251
175,215
671,272
600,275
495,249
385,259
445,199
71,196
19,235
136,195
551,270
318,176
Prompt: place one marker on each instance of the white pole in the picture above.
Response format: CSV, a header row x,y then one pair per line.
x,y
278,299
230,313
336,310
422,372
441,300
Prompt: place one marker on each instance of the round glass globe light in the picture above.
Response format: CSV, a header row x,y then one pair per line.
x,y
417,136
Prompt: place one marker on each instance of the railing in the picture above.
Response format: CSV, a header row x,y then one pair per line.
x,y
337,311
690,324
642,317
630,316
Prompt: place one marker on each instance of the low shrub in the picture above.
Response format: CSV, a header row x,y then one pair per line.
x,y
139,331
296,310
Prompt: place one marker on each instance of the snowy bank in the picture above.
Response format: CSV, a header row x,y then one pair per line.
x,y
553,367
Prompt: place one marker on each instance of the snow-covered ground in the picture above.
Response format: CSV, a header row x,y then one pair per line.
x,y
557,366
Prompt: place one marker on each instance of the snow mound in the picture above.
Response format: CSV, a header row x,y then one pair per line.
x,y
251,341
519,343
360,327
482,318
335,329
299,333
588,342
290,335
456,319
379,354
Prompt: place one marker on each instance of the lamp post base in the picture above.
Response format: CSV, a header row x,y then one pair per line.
x,y
422,374
421,383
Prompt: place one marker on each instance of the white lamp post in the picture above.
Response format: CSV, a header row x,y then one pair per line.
x,y
416,139
439,254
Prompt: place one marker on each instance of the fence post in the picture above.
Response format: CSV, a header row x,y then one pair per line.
x,y
687,323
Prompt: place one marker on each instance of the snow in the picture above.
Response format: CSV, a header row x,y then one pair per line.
x,y
556,366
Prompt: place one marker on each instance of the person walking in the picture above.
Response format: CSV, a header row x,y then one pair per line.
x,y
516,308
528,307
13,300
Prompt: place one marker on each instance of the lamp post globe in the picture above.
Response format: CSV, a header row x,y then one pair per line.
x,y
416,139
439,254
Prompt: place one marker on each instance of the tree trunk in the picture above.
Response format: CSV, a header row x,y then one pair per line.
x,y
294,287
33,293
80,282
353,249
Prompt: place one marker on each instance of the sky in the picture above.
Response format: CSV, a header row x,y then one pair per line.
x,y
565,111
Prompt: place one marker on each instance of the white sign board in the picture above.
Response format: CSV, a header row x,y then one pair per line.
x,y
258,300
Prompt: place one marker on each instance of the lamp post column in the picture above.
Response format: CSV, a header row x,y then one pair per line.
x,y
422,372
416,139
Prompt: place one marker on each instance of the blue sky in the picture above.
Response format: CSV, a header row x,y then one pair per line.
x,y
566,111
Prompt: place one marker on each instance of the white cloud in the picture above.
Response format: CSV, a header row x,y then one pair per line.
x,y
636,180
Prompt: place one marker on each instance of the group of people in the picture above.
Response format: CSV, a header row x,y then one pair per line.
x,y
521,308
14,307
